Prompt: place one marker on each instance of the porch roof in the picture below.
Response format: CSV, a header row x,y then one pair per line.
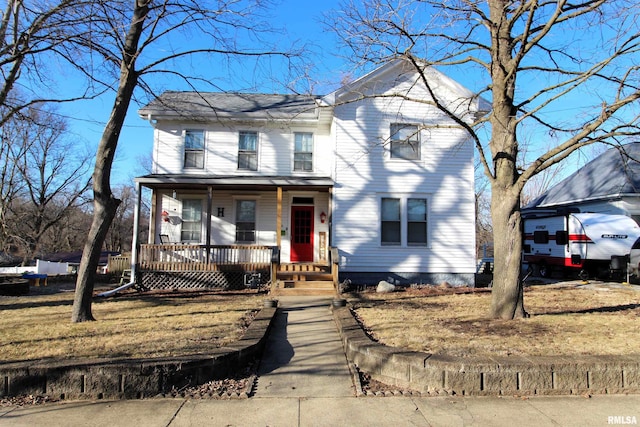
x,y
180,181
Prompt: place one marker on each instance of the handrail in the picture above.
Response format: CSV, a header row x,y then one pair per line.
x,y
334,259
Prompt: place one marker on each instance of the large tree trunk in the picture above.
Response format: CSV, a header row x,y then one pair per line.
x,y
105,205
104,209
506,294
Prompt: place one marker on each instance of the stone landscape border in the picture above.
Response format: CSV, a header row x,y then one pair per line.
x,y
134,379
488,376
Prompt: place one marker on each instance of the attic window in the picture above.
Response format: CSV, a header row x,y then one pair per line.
x,y
405,141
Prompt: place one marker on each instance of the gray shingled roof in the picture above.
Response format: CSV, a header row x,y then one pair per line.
x,y
207,105
613,174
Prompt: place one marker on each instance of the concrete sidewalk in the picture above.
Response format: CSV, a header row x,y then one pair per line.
x,y
305,381
331,411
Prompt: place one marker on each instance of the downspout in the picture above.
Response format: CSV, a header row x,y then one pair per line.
x,y
134,247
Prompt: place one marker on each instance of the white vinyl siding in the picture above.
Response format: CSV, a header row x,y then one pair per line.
x,y
443,177
273,157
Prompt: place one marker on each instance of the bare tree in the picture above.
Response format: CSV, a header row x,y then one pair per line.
x,y
566,70
47,176
70,233
137,38
36,37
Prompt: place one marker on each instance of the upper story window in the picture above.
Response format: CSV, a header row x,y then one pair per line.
x,y
248,151
405,141
303,152
194,149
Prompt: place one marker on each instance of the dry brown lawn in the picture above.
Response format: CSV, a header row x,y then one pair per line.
x,y
129,326
566,319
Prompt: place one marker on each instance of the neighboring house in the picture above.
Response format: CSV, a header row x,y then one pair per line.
x,y
608,184
380,187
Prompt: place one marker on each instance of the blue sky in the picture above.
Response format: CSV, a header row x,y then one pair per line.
x,y
302,22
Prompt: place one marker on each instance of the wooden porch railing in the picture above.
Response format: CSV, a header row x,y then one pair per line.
x,y
184,257
335,264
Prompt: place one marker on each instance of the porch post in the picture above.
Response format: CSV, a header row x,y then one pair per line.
x,y
136,229
209,208
279,217
151,239
274,266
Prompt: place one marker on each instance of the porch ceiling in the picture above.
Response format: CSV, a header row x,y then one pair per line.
x,y
177,181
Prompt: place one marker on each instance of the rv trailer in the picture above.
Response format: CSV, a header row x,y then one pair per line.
x,y
590,244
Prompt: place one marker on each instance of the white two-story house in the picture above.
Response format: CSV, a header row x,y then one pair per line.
x,y
371,182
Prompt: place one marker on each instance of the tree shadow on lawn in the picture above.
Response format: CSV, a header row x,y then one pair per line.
x,y
494,327
604,309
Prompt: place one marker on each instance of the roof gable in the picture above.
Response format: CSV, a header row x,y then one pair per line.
x,y
399,77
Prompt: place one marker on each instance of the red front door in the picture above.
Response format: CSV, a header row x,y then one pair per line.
x,y
301,233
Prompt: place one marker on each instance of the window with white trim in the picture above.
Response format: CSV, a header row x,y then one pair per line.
x,y
417,222
391,225
248,151
245,221
193,149
191,220
403,221
405,141
303,152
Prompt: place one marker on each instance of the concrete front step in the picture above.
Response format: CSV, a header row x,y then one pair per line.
x,y
298,292
300,276
306,284
315,287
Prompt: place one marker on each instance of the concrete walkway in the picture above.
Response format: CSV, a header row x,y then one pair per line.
x,y
304,356
304,381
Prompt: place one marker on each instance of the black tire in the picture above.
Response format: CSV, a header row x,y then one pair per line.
x,y
544,270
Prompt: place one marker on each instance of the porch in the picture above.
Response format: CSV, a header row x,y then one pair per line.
x,y
196,266
234,232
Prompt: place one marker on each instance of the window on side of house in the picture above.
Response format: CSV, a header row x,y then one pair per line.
x,y
248,151
191,220
245,221
193,149
417,222
405,141
390,221
303,152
